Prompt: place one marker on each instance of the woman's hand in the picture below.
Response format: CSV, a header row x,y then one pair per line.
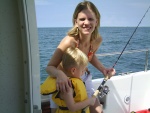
x,y
62,82
109,72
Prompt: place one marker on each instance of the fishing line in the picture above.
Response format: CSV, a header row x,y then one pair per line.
x,y
100,88
130,38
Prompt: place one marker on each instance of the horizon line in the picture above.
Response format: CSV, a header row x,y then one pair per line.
x,y
100,27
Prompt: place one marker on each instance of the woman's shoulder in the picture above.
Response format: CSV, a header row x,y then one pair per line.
x,y
98,40
69,40
96,43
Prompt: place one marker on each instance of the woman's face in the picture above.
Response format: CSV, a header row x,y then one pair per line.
x,y
86,22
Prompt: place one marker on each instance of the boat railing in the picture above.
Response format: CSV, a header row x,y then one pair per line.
x,y
129,52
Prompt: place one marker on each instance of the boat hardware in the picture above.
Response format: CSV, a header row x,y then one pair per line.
x,y
125,73
127,99
104,91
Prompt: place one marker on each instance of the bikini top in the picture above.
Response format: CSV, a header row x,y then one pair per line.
x,y
90,53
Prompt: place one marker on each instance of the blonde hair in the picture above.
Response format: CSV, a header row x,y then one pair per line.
x,y
74,57
82,6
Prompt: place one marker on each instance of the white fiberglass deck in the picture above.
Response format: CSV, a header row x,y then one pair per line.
x,y
127,93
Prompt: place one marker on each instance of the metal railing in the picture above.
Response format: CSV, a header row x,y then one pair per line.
x,y
129,52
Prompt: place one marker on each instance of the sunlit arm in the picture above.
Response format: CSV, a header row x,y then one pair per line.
x,y
107,72
97,64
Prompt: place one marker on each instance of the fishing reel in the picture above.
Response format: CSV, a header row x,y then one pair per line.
x,y
104,91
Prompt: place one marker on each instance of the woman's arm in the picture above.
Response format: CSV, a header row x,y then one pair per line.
x,y
72,106
97,64
106,71
54,69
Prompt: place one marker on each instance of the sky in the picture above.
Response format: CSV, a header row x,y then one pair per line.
x,y
116,13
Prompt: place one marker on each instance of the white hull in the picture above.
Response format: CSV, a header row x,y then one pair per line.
x,y
127,93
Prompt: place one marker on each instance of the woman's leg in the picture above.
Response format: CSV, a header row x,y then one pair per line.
x,y
97,108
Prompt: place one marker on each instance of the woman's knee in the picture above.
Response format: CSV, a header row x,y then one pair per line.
x,y
96,108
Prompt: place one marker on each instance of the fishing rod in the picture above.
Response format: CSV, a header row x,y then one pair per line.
x,y
101,88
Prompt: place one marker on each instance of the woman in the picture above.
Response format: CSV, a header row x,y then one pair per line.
x,y
84,35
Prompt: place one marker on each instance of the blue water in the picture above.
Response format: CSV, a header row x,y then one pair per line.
x,y
114,40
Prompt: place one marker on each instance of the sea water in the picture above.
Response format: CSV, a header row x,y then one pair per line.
x,y
114,40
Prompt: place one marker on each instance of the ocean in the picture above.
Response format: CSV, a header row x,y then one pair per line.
x,y
114,40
